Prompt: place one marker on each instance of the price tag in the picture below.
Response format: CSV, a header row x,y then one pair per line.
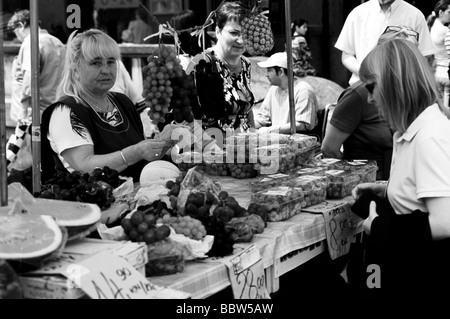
x,y
341,225
247,276
105,276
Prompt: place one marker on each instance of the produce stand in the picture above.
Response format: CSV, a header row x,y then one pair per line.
x,y
283,246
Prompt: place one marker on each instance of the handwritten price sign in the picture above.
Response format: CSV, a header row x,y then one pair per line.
x,y
106,276
247,275
341,225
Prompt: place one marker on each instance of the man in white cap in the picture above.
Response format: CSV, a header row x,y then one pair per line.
x,y
274,115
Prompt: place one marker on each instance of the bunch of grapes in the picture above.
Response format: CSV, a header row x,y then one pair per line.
x,y
198,205
223,238
96,187
141,227
174,190
167,87
183,99
185,225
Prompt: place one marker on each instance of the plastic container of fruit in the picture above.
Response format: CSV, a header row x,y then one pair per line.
x,y
303,155
165,257
368,174
242,170
282,202
273,138
238,147
302,141
317,171
324,163
187,160
215,164
268,181
366,169
313,189
341,183
273,159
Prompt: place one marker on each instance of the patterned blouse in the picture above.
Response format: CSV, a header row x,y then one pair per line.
x,y
237,94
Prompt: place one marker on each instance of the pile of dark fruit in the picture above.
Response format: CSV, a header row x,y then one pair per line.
x,y
95,188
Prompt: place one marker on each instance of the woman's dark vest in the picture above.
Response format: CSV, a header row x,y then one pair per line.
x,y
107,139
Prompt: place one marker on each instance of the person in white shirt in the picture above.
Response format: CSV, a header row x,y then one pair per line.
x,y
369,20
437,22
51,62
274,115
413,241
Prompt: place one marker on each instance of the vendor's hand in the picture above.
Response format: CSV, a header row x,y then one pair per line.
x,y
367,224
152,150
376,188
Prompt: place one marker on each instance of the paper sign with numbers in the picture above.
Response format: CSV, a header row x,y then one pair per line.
x,y
247,276
105,276
340,226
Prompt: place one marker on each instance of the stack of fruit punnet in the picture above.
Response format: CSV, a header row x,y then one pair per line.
x,y
167,87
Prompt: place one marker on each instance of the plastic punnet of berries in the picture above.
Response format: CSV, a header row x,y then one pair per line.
x,y
258,36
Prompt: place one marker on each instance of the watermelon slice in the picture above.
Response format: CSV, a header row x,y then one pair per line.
x,y
66,213
24,235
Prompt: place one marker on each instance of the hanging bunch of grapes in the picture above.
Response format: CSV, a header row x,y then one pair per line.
x,y
183,98
258,36
167,87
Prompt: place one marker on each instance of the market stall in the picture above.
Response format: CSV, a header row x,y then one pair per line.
x,y
159,242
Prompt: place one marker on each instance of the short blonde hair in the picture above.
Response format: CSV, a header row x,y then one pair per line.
x,y
405,82
86,46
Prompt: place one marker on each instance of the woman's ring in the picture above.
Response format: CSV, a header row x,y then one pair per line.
x,y
156,155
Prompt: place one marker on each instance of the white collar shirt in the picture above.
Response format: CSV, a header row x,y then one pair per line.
x,y
367,22
420,164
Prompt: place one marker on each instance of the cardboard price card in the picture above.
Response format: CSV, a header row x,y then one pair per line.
x,y
247,276
341,225
105,276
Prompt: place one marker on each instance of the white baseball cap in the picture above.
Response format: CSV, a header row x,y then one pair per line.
x,y
276,59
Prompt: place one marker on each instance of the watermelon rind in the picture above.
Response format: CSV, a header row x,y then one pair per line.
x,y
67,213
25,236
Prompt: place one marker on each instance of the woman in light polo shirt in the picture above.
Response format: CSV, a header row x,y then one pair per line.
x,y
411,247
